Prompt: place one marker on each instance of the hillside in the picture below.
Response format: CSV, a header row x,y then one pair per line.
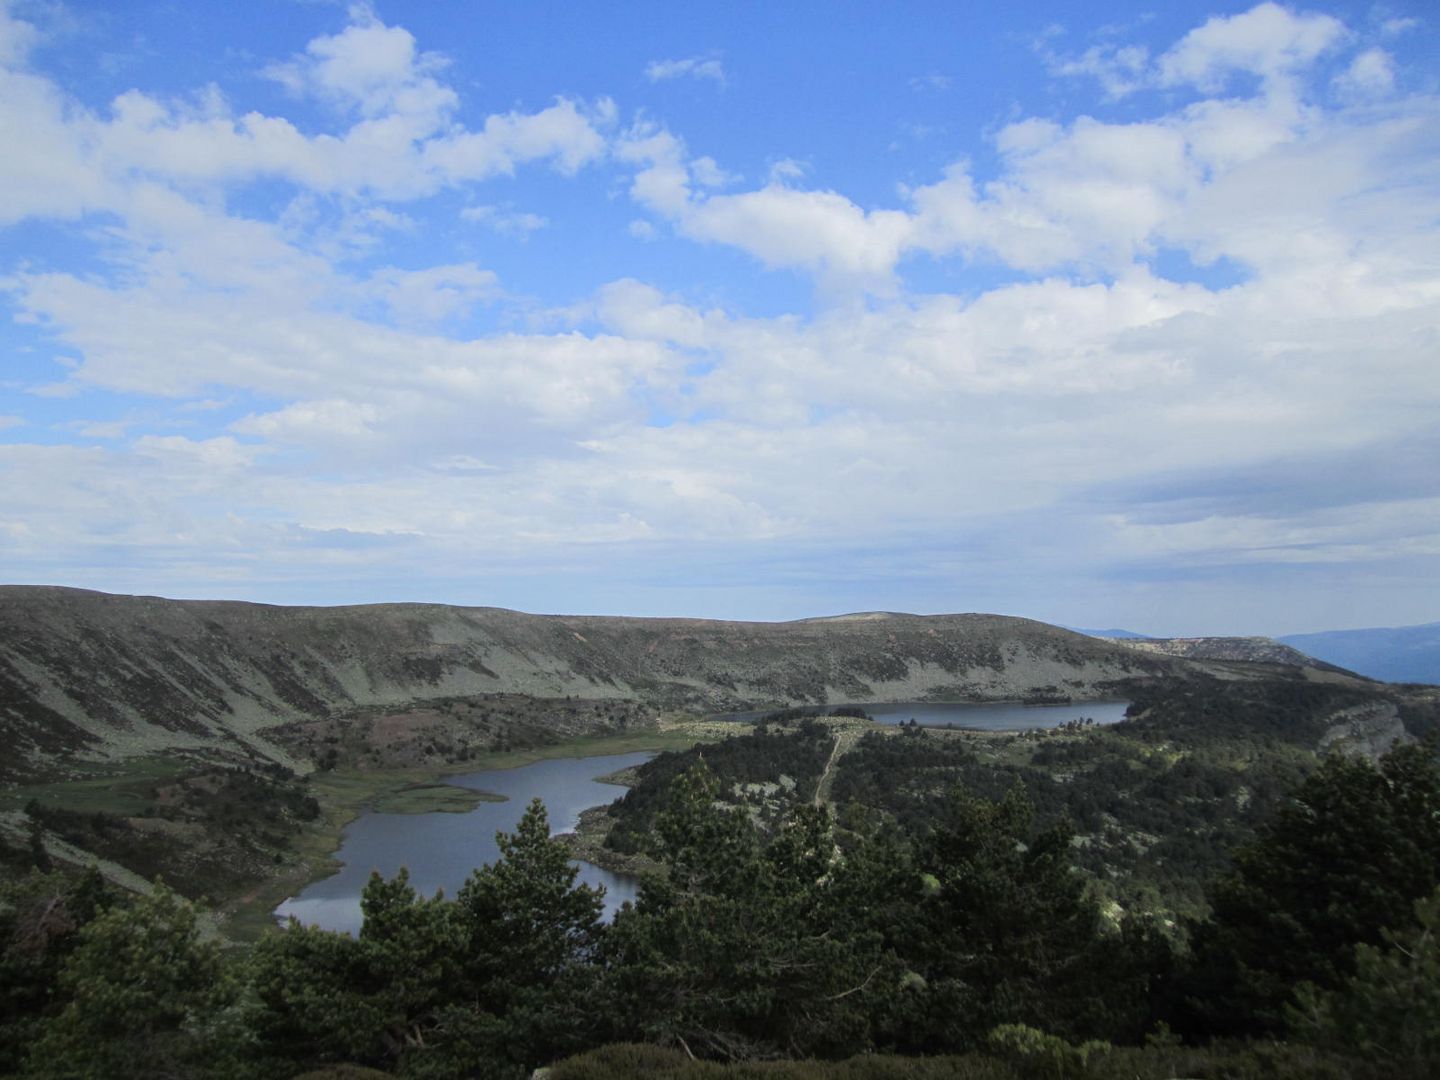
x,y
103,676
1395,654
1253,650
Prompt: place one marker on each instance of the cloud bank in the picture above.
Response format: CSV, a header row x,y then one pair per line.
x,y
1191,304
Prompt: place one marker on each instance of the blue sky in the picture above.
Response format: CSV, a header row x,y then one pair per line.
x,y
1111,318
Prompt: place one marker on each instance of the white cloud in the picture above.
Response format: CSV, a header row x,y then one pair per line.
x,y
641,229
932,82
1120,69
634,309
1370,75
706,173
695,67
1094,196
787,170
370,67
47,169
662,181
507,222
560,132
11,421
212,459
403,143
1268,40
312,422
100,429
821,231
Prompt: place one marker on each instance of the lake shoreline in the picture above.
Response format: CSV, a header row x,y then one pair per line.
x,y
441,850
344,796
586,843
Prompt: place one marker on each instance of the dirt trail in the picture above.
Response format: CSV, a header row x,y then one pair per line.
x,y
844,741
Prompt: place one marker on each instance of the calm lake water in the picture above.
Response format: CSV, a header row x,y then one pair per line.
x,y
998,716
440,850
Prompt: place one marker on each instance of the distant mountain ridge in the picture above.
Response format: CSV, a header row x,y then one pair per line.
x,y
1395,653
1254,650
1391,654
106,676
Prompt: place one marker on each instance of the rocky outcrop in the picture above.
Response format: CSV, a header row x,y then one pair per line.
x,y
1366,731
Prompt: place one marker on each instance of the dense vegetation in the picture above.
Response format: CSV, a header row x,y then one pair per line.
x,y
972,935
1155,804
773,766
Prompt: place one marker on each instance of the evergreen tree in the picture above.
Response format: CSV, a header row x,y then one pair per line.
x,y
323,998
139,985
1389,1012
738,951
528,938
313,1000
1347,857
1003,932
41,917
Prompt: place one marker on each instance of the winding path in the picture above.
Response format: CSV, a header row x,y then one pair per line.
x,y
844,740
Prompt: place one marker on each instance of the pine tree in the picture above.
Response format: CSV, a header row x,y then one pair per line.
x,y
1347,857
1004,932
1389,1012
138,985
530,934
739,950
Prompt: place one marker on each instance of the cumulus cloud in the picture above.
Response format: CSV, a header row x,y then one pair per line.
x,y
1098,196
402,144
820,231
1268,40
694,67
370,67
1370,75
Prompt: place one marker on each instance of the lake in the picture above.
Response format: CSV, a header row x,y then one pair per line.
x,y
440,849
992,716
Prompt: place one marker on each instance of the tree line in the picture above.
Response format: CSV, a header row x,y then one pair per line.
x,y
972,935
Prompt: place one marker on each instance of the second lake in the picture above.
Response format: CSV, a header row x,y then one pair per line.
x,y
991,716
